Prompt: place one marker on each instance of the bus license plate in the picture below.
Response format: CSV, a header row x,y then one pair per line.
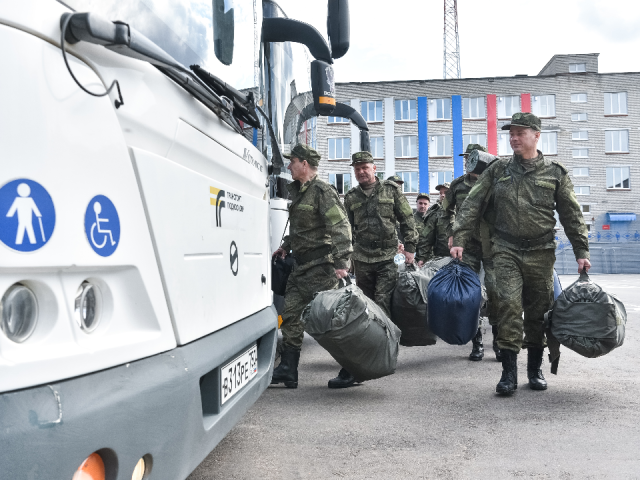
x,y
237,374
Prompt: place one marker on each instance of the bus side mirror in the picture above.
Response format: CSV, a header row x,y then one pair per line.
x,y
223,30
338,27
323,87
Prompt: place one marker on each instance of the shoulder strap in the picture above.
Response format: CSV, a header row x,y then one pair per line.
x,y
284,231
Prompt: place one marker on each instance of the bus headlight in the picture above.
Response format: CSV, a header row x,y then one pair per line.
x,y
18,312
87,307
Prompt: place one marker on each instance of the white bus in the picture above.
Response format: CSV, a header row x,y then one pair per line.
x,y
137,323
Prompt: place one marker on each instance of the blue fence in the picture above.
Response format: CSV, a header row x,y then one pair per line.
x,y
610,251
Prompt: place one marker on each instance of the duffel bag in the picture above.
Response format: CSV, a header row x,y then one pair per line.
x,y
281,268
355,331
586,319
409,303
453,302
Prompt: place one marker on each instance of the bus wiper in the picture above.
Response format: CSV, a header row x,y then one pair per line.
x,y
121,38
244,104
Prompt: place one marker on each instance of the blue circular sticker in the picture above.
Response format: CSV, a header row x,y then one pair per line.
x,y
27,215
102,225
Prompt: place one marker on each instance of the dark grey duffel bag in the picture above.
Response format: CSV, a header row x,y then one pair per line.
x,y
355,331
409,303
586,319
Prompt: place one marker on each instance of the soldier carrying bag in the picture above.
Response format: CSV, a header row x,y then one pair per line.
x,y
585,319
354,330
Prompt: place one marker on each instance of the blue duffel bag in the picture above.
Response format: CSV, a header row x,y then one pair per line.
x,y
454,298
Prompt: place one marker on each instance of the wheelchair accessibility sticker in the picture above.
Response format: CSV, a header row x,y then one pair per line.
x,y
27,215
102,225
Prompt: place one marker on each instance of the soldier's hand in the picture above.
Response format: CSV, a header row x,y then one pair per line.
x,y
583,264
450,242
456,252
400,248
341,273
281,252
409,257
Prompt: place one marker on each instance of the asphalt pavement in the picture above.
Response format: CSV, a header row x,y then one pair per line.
x,y
438,417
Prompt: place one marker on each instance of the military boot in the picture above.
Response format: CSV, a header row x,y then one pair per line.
x,y
343,380
287,371
534,372
478,347
496,348
509,380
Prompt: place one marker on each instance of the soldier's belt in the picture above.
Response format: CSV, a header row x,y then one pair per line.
x,y
378,243
525,242
313,255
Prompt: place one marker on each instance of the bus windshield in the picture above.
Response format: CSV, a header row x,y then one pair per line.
x,y
184,29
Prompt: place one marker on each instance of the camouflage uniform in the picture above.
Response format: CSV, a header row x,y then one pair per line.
x,y
373,220
320,239
433,237
522,203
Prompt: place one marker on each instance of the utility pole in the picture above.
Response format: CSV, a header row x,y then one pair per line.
x,y
451,60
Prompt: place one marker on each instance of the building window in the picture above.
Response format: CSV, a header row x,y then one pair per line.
x,y
579,135
438,178
615,103
405,109
581,172
406,146
580,153
339,148
509,105
377,147
337,120
479,138
578,98
309,133
342,182
440,146
578,117
616,141
618,177
380,175
504,146
410,179
544,105
440,109
585,208
582,190
577,67
473,107
372,111
549,143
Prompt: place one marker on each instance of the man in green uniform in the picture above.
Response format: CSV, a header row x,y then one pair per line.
x,y
373,207
320,240
474,252
523,192
433,237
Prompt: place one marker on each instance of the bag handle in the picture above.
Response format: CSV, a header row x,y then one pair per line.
x,y
284,231
584,276
346,280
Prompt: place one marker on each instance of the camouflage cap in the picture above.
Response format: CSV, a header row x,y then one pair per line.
x,y
361,157
305,152
423,195
474,146
528,120
443,185
395,178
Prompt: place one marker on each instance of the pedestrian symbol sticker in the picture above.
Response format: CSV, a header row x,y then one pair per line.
x,y
27,215
102,225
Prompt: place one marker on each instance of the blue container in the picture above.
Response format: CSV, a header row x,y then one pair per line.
x,y
454,298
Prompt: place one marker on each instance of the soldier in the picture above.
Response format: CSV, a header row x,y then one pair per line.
x,y
523,191
473,253
433,237
422,203
373,208
320,239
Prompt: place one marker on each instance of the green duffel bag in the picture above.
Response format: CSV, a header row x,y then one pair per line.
x,y
586,319
355,331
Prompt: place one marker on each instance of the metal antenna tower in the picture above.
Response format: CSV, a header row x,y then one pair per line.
x,y
451,60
